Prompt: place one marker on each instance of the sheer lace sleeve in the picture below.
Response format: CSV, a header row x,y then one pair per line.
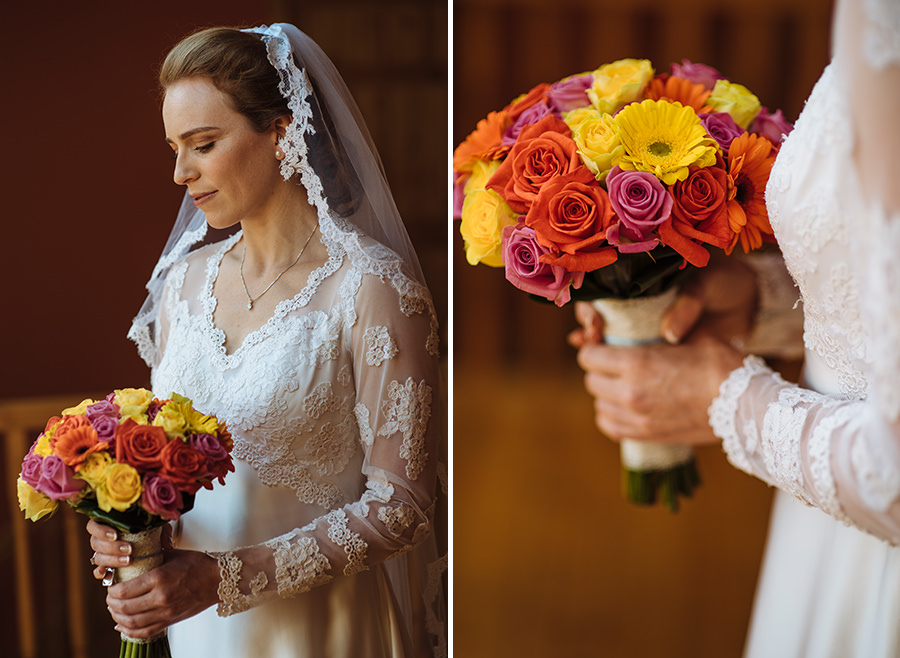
x,y
395,375
835,452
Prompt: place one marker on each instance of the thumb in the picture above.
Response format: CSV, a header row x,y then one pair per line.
x,y
683,315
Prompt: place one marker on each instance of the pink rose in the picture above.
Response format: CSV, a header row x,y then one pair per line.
x,y
521,256
641,203
218,459
459,193
31,469
721,127
700,74
104,408
529,117
161,497
57,480
773,127
571,93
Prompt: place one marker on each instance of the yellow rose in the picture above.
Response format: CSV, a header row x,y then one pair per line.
x,y
735,99
484,215
482,171
133,403
93,468
35,505
202,423
171,418
43,446
597,136
79,410
619,83
121,489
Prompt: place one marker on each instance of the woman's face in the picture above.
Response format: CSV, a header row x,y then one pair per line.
x,y
229,168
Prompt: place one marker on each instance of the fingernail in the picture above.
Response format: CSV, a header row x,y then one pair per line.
x,y
111,535
124,559
125,549
670,335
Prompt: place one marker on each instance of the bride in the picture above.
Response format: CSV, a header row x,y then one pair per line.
x,y
830,583
306,325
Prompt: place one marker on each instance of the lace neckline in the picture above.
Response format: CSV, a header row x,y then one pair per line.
x,y
209,300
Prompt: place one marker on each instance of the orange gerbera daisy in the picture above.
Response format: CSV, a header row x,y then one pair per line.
x,y
671,88
750,160
75,441
483,143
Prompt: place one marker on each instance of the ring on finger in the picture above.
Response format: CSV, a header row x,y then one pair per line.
x,y
108,577
94,559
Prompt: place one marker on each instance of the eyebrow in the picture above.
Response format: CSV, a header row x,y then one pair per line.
x,y
191,132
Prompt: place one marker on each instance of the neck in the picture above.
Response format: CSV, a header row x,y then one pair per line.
x,y
274,239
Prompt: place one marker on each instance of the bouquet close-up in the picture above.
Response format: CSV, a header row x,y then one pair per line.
x,y
611,186
131,461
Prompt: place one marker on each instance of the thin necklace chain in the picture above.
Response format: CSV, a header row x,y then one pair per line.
x,y
252,300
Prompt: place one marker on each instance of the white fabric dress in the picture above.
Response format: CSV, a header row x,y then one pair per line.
x,y
830,585
330,406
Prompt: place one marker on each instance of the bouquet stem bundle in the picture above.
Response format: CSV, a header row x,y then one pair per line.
x,y
147,554
651,471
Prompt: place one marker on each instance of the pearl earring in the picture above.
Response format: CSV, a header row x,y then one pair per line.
x,y
278,154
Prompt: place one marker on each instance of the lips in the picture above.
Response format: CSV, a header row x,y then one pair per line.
x,y
202,197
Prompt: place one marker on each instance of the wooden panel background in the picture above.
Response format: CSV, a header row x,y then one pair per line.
x,y
548,559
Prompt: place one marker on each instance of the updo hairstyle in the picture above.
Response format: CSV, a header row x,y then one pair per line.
x,y
237,64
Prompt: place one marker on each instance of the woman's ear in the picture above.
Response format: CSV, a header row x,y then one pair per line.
x,y
279,126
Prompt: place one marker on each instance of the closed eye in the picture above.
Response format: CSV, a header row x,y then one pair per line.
x,y
205,147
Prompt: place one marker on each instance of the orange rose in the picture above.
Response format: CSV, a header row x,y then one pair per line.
x,y
183,465
140,445
543,151
570,218
698,214
483,143
523,102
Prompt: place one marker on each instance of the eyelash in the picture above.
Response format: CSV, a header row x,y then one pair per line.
x,y
205,148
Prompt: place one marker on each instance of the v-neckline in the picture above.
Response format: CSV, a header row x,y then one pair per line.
x,y
210,301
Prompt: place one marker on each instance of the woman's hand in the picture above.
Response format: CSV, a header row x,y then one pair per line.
x,y
662,392
659,392
183,586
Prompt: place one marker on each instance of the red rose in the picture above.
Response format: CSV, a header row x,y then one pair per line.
x,y
570,218
183,465
140,445
543,151
698,214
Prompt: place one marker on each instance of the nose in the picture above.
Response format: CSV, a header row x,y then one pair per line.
x,y
185,170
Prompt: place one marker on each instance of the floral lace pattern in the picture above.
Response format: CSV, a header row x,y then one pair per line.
x,y
231,599
831,447
882,38
379,346
299,566
352,543
407,410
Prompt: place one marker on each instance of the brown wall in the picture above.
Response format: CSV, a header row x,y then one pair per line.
x,y
87,194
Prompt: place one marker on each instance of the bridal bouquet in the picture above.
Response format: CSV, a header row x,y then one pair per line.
x,y
610,186
131,461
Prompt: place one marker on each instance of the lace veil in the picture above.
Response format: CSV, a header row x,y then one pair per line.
x,y
328,148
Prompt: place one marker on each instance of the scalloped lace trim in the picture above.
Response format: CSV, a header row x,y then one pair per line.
x,y
231,599
724,410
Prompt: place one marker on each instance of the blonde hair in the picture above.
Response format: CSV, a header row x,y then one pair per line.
x,y
237,64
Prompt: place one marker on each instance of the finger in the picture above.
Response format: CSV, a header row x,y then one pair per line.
x,y
111,553
591,322
683,315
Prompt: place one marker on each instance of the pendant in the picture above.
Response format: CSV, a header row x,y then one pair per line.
x,y
250,305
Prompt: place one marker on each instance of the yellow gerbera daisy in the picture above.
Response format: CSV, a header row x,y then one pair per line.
x,y
663,138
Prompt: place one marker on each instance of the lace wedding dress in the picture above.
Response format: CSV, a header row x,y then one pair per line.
x,y
830,584
330,407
